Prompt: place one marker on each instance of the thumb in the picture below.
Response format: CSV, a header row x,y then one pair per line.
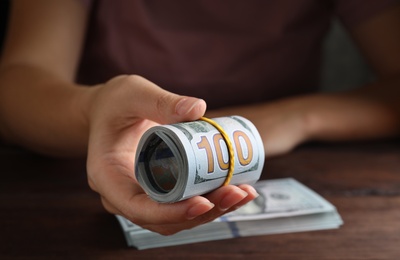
x,y
165,107
168,108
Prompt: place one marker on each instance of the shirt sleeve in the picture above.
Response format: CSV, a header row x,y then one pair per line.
x,y
353,12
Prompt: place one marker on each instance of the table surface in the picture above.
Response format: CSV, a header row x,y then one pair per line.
x,y
49,212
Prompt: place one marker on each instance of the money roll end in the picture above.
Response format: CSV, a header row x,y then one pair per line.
x,y
159,166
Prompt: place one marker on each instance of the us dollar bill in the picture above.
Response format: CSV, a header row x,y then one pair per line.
x,y
179,161
283,206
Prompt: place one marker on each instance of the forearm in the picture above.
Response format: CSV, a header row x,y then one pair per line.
x,y
42,112
368,112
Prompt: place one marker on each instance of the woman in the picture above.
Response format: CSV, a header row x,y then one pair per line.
x,y
259,60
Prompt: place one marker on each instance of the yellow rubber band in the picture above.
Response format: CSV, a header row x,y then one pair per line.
x,y
229,146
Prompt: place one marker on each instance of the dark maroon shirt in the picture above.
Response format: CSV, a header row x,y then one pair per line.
x,y
226,52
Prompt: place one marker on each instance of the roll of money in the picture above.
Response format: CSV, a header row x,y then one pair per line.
x,y
179,161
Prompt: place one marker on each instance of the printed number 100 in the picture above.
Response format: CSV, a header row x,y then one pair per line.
x,y
217,139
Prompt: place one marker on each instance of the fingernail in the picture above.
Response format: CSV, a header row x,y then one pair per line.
x,y
231,200
185,105
198,209
253,192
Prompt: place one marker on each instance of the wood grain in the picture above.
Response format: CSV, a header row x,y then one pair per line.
x,y
49,212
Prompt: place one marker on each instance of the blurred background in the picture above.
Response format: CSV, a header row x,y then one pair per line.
x,y
343,66
4,7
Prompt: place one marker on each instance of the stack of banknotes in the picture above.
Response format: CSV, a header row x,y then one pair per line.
x,y
284,205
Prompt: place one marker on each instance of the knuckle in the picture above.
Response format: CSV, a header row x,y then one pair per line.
x,y
108,207
132,79
92,186
119,85
163,102
125,79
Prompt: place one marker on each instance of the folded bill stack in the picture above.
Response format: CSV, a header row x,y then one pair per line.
x,y
284,206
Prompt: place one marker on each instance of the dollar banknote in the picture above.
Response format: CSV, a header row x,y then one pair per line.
x,y
284,205
179,161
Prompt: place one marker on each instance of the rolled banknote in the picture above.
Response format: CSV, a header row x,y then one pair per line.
x,y
179,161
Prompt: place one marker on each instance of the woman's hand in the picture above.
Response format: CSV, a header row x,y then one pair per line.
x,y
120,111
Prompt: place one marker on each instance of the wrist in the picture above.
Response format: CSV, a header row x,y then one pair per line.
x,y
80,107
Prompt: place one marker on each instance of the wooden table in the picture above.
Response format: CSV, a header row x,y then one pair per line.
x,y
49,212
